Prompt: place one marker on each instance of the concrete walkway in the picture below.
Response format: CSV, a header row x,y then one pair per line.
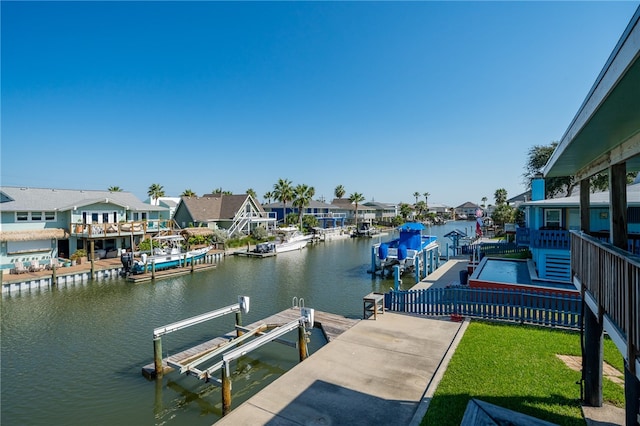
x,y
380,371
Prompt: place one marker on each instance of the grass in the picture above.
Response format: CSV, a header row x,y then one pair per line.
x,y
515,367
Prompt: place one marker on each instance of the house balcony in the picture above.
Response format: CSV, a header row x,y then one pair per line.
x,y
543,238
560,239
610,278
112,230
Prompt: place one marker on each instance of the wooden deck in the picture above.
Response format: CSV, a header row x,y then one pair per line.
x,y
332,326
168,273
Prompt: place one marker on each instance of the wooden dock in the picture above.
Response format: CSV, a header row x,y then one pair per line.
x,y
253,254
169,273
331,325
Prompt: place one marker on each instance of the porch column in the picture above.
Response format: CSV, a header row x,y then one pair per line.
x,y
618,202
585,210
592,358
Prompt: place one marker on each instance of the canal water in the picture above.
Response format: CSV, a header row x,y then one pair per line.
x,y
73,356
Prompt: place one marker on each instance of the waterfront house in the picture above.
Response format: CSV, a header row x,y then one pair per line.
x,y
604,136
328,215
383,212
467,210
41,224
365,213
548,223
233,213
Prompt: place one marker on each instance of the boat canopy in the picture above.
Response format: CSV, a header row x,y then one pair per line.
x,y
412,226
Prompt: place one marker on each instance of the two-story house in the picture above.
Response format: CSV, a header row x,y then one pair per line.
x,y
45,223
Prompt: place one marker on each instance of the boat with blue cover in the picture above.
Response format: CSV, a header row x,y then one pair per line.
x,y
403,251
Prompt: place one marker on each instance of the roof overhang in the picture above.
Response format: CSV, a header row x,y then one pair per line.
x,y
606,129
34,235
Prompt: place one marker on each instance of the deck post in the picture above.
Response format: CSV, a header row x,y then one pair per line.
x,y
54,276
153,270
302,343
193,261
226,390
92,256
373,260
396,277
592,357
631,394
416,268
157,356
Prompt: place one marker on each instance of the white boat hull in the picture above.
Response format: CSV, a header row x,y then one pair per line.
x,y
291,246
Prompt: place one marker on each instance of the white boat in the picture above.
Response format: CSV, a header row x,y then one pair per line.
x,y
168,254
290,239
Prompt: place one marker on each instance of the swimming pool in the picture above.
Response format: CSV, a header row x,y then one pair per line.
x,y
514,274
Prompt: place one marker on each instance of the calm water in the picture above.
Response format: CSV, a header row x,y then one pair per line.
x,y
73,356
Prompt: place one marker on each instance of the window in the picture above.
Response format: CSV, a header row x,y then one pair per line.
x,y
36,216
552,218
22,216
48,216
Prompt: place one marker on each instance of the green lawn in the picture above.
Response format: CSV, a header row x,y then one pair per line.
x,y
515,367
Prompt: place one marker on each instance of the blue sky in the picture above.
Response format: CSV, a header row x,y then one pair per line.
x,y
384,98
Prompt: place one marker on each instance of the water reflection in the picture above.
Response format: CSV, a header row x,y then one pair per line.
x,y
89,341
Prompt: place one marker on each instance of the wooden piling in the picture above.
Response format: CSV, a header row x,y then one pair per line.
x,y
54,275
226,391
302,343
157,356
239,331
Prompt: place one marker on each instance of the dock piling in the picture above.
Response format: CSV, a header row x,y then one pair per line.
x,y
157,356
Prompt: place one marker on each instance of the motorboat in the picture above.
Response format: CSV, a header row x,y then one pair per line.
x,y
290,239
168,254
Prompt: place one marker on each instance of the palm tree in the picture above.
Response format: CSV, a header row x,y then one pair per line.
x,y
356,198
253,194
188,193
339,191
484,202
283,192
416,194
114,189
500,196
303,195
217,190
155,191
426,199
268,196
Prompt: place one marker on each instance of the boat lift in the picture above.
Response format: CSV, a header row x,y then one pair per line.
x,y
234,348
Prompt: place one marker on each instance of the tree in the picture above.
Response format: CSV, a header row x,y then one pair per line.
x,y
155,191
268,196
114,189
339,191
251,192
500,196
421,209
405,211
188,193
303,195
356,198
221,192
484,202
426,198
416,194
283,192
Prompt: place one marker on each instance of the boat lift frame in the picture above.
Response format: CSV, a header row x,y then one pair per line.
x,y
234,348
241,306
